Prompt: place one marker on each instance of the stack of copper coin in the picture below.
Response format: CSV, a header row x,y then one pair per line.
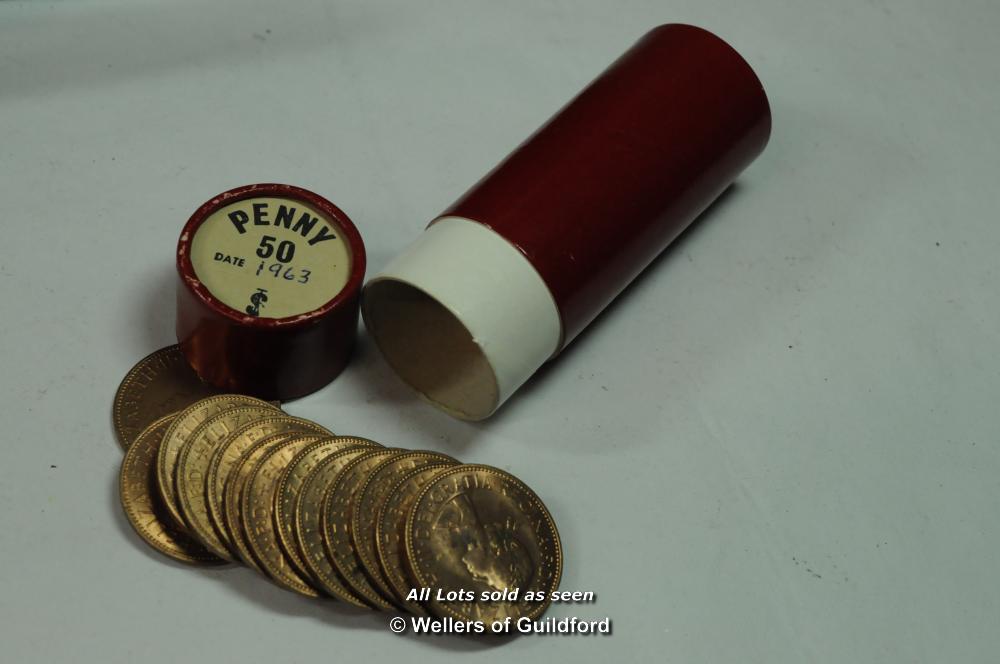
x,y
230,478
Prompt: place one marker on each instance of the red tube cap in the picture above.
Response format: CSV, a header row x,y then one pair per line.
x,y
267,300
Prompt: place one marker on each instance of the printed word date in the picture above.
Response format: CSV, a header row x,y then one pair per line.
x,y
237,261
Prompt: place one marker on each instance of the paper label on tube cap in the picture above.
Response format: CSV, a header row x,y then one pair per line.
x,y
271,257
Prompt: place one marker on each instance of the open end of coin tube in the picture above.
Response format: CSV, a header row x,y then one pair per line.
x,y
267,302
441,315
527,258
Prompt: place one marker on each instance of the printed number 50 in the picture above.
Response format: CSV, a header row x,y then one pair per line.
x,y
285,249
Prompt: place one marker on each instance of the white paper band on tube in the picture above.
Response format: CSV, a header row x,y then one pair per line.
x,y
463,317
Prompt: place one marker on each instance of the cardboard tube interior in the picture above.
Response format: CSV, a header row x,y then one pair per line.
x,y
430,349
463,317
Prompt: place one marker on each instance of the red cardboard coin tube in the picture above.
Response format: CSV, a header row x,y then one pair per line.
x,y
520,264
269,286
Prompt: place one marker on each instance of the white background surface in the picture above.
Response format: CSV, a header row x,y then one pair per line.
x,y
779,446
